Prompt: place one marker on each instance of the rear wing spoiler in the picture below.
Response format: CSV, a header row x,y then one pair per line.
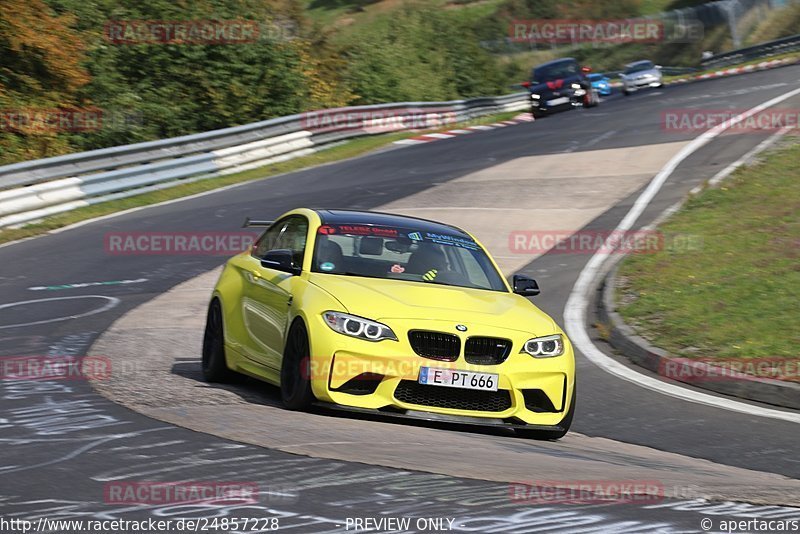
x,y
256,223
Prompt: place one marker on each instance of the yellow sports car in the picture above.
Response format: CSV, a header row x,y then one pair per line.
x,y
390,314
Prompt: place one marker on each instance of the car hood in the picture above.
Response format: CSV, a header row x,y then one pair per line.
x,y
380,299
651,72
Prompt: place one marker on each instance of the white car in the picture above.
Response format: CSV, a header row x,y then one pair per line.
x,y
640,75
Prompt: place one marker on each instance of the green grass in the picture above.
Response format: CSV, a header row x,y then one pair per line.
x,y
734,292
651,7
349,149
777,24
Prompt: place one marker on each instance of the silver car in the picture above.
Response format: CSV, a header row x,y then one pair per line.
x,y
639,75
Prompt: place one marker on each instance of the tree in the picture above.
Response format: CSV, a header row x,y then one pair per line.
x,y
40,73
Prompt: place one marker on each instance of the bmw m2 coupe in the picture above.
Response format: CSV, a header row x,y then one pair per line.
x,y
385,313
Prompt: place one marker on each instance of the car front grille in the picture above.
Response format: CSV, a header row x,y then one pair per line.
x,y
486,350
435,345
411,392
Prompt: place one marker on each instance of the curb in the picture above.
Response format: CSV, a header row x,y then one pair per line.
x,y
438,136
696,373
733,71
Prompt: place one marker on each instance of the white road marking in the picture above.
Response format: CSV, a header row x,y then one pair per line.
x,y
599,138
578,302
80,285
112,302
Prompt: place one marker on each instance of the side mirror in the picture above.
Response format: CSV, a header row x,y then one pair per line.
x,y
280,260
526,85
586,70
525,286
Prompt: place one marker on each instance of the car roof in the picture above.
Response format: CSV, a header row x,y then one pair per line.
x,y
340,216
556,61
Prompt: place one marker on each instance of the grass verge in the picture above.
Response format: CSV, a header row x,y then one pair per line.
x,y
736,292
349,149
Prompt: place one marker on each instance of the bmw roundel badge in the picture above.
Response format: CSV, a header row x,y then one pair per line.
x,y
461,328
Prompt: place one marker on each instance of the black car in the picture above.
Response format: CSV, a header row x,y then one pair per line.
x,y
560,84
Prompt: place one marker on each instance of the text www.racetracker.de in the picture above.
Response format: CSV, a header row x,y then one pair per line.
x,y
216,524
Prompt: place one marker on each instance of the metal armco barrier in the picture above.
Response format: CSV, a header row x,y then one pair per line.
x,y
770,48
35,189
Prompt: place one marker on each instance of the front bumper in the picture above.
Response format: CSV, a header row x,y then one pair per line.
x,y
604,90
432,417
384,376
565,100
634,85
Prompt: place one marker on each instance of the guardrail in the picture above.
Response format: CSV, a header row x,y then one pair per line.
x,y
35,189
668,71
762,50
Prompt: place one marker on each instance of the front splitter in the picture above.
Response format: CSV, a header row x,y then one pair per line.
x,y
418,415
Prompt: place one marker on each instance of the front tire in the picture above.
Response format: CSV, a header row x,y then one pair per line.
x,y
553,435
296,391
214,365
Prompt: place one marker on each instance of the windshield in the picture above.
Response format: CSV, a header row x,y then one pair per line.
x,y
404,254
595,77
639,67
555,71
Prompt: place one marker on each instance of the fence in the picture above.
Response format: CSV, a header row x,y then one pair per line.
x,y
35,189
762,50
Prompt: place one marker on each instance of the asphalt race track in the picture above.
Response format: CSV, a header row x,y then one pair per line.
x,y
63,443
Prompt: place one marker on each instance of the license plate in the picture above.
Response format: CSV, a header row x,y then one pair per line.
x,y
453,378
558,101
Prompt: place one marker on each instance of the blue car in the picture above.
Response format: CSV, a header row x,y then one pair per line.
x,y
600,82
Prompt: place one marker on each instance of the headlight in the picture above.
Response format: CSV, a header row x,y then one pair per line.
x,y
535,96
353,326
576,86
545,347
